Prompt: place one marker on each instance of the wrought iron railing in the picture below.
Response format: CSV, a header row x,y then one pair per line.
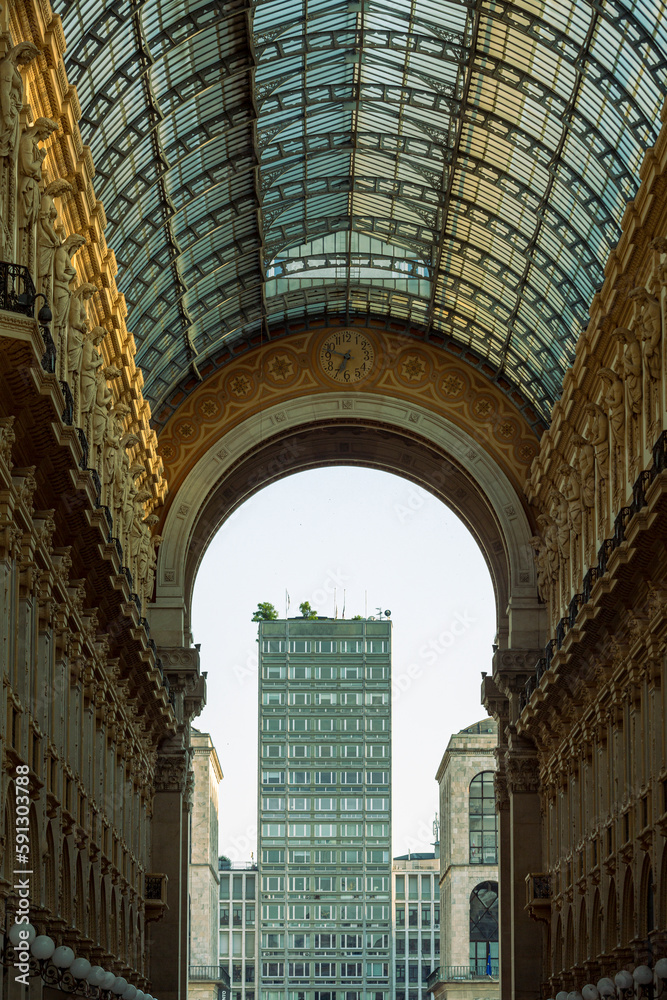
x,y
17,291
217,973
463,973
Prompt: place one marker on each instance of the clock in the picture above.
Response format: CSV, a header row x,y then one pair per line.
x,y
347,356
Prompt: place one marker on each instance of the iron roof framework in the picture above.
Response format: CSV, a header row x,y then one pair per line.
x,y
460,166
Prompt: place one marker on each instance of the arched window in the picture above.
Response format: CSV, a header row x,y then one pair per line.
x,y
483,820
484,928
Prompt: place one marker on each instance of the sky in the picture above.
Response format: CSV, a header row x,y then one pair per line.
x,y
332,536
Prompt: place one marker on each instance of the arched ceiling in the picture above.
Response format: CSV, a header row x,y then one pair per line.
x,y
461,167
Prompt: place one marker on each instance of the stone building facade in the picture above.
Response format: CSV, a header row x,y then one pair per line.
x,y
469,924
204,975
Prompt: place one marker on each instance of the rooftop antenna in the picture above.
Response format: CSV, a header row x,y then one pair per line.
x,y
365,604
335,602
379,611
343,603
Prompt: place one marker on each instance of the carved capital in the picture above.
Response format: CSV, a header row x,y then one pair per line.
x,y
513,667
171,772
523,772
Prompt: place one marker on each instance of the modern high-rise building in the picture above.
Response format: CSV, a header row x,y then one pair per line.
x,y
238,922
325,809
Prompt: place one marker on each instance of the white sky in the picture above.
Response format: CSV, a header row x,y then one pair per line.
x,y
351,530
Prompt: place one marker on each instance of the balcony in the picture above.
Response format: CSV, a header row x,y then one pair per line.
x,y
462,973
538,896
211,973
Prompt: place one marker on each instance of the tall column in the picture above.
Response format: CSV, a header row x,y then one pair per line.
x,y
169,936
520,829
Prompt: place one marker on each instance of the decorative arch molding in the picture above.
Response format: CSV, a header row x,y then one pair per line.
x,y
380,432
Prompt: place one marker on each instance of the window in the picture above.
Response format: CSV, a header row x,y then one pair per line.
x,y
224,887
224,914
375,969
350,673
413,916
377,698
377,777
273,725
298,911
377,645
325,805
377,829
326,725
400,944
237,916
273,803
299,940
351,883
299,698
377,883
352,829
350,698
325,777
325,751
351,969
299,646
273,750
273,857
324,857
271,970
299,829
483,833
273,883
426,946
273,911
325,911
325,942
273,829
351,725
351,805
298,725
351,857
400,916
326,673
351,911
299,804
377,911
400,887
376,804
249,919
250,887
325,970
377,673
299,856
274,672
413,972
325,829
325,698
325,883
484,927
352,646
299,883
273,777
299,970
426,916
326,646
299,750
377,750
351,777
273,645
297,672
377,857
272,940
299,777
426,886
273,698
351,750
400,972
377,725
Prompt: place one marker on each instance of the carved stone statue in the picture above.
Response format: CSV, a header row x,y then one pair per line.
x,y
598,435
614,400
649,329
30,160
549,536
631,366
91,362
63,274
586,469
561,517
48,240
113,433
77,329
540,555
11,94
11,102
100,422
571,490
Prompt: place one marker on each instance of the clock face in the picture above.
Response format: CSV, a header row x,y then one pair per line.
x,y
347,356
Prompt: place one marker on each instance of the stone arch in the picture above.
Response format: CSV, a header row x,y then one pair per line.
x,y
66,899
79,896
596,927
91,907
35,841
628,909
376,432
558,947
611,920
646,913
582,935
569,940
662,890
51,894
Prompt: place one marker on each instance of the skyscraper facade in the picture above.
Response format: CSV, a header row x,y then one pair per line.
x,y
325,809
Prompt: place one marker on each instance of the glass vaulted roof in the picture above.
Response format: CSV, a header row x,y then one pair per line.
x,y
460,166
